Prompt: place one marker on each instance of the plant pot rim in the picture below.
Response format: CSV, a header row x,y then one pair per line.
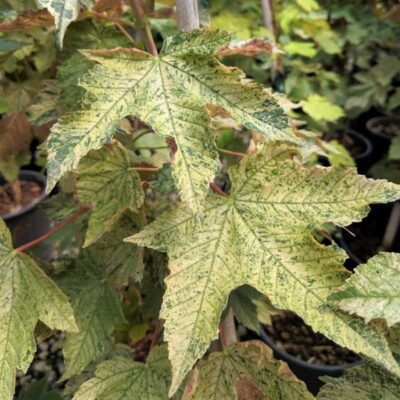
x,y
29,176
371,125
310,366
366,142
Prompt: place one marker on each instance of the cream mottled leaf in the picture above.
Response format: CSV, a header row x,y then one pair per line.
x,y
247,366
97,308
373,291
107,181
64,12
367,382
122,378
170,93
27,295
261,235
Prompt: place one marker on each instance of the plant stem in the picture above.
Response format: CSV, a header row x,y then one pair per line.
x,y
155,335
227,330
187,14
141,21
55,229
233,153
392,227
217,189
144,169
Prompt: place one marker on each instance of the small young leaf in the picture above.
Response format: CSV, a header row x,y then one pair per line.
x,y
243,367
27,295
107,181
122,378
262,235
373,291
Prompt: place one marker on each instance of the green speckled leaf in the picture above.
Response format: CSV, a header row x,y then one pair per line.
x,y
170,93
64,12
249,368
120,260
97,308
262,235
373,291
362,383
27,295
108,182
123,379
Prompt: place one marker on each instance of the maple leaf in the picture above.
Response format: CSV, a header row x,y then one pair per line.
x,y
27,295
168,92
367,382
107,181
122,378
244,368
64,12
373,291
97,308
261,235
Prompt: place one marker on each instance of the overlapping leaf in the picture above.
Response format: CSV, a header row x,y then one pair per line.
x,y
367,382
64,12
27,295
97,308
244,369
373,291
122,378
169,92
107,181
261,234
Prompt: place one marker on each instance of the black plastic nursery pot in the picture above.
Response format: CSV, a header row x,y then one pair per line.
x,y
29,222
363,240
383,130
363,157
306,371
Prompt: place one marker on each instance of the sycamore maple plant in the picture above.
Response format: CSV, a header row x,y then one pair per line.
x,y
259,233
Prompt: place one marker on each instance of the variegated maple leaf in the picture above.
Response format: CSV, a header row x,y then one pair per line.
x,y
373,291
169,92
27,295
261,235
64,12
244,371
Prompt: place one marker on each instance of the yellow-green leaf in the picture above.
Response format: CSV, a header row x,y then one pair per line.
x,y
262,235
367,382
244,368
169,92
64,12
373,291
122,379
107,181
321,109
97,308
27,295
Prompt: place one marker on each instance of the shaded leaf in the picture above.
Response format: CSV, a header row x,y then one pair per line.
x,y
27,295
38,391
261,235
122,378
97,308
373,290
108,182
362,383
243,367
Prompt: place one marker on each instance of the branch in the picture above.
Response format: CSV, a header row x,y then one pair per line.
x,y
141,21
55,229
217,189
187,14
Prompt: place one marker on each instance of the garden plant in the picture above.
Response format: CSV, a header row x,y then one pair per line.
x,y
163,236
